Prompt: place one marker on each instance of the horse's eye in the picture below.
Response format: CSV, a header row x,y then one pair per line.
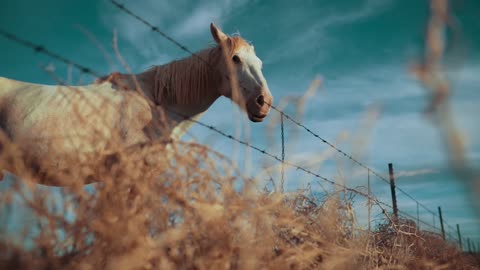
x,y
236,59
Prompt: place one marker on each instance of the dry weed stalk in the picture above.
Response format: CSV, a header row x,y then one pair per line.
x,y
431,72
187,207
190,210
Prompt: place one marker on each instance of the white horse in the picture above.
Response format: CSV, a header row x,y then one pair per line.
x,y
54,126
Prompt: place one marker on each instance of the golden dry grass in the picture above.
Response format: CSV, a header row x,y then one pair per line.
x,y
191,209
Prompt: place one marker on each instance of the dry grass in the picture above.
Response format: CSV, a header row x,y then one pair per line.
x,y
190,209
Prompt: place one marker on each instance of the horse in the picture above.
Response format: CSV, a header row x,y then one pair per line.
x,y
57,125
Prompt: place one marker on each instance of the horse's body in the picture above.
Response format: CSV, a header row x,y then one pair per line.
x,y
69,118
57,125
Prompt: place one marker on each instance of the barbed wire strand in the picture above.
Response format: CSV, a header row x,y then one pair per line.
x,y
213,128
184,48
350,157
42,50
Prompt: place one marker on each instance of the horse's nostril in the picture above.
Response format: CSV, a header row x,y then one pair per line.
x,y
260,100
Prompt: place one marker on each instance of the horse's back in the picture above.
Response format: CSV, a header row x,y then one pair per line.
x,y
54,122
8,85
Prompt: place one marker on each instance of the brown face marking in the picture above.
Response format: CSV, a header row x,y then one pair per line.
x,y
235,44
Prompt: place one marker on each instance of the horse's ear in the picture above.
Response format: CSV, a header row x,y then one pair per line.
x,y
217,34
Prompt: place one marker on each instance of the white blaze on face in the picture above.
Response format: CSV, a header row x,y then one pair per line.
x,y
252,84
257,98
249,72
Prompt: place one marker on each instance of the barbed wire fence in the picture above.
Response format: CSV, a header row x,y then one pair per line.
x,y
386,209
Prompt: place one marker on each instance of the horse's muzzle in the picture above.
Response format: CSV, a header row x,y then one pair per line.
x,y
258,107
256,118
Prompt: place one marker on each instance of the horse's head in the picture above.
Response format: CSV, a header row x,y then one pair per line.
x,y
243,81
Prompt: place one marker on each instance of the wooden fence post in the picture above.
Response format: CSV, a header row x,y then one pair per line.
x,y
418,217
459,238
441,222
369,202
282,176
392,189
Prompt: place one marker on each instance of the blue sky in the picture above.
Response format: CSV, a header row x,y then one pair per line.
x,y
361,49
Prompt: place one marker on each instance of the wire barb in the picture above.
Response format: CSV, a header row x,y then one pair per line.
x,y
41,49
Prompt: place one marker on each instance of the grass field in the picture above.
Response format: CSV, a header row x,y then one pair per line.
x,y
191,209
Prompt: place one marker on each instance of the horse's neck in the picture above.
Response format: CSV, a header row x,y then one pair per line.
x,y
184,116
177,111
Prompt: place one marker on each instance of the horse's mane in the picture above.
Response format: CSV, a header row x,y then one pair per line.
x,y
187,80
190,79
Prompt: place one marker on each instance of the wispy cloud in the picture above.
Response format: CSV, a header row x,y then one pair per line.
x,y
369,8
410,173
181,19
315,34
205,13
362,172
200,18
